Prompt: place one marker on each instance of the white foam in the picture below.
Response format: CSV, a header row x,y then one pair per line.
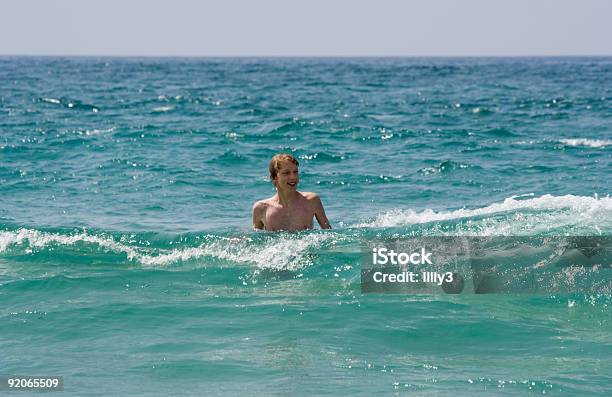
x,y
278,252
163,109
573,210
96,131
39,239
598,143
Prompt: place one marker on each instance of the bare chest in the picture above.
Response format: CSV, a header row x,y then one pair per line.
x,y
295,217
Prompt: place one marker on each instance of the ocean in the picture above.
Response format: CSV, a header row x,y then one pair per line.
x,y
128,264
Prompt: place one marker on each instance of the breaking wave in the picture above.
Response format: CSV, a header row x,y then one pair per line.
x,y
518,215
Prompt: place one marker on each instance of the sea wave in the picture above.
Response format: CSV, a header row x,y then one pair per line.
x,y
443,167
70,104
162,109
282,251
547,212
32,240
518,215
581,142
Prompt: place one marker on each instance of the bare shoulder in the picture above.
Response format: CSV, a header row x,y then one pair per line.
x,y
261,205
313,200
259,214
310,196
317,206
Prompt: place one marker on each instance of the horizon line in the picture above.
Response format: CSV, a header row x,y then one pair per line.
x,y
307,56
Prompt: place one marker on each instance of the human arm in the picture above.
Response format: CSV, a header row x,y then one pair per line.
x,y
319,213
258,215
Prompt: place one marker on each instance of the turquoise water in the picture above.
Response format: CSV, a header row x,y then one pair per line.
x,y
127,263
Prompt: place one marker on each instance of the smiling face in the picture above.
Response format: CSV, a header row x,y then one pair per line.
x,y
284,172
287,176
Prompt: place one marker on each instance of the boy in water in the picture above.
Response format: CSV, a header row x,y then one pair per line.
x,y
288,209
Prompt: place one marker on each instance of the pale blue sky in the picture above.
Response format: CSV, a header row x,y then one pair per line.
x,y
306,28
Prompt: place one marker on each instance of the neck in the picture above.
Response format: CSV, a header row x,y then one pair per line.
x,y
286,197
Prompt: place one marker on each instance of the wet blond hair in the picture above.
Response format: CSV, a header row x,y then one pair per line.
x,y
275,163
